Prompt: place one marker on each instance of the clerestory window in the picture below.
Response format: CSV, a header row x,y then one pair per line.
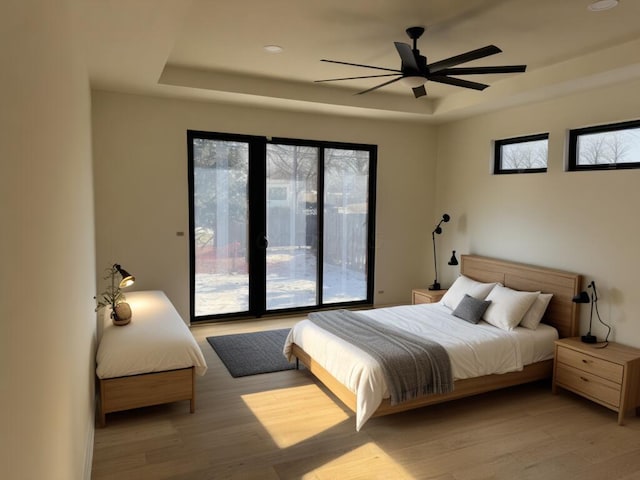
x,y
526,154
605,147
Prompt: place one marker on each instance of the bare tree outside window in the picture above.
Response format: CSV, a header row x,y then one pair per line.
x,y
613,146
621,146
521,155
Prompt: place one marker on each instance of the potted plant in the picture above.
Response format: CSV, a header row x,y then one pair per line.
x,y
113,296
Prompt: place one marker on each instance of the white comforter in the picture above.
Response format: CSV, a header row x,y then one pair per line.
x,y
474,350
157,339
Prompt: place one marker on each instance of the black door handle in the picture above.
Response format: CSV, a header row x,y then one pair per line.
x,y
262,241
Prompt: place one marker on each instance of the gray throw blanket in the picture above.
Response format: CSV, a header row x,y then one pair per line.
x,y
411,366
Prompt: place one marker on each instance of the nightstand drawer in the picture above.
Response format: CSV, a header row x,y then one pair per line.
x,y
587,384
587,363
418,299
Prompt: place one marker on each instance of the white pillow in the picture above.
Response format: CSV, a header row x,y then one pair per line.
x,y
534,315
465,285
508,306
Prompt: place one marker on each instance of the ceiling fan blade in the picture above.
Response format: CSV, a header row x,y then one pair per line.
x,y
356,78
378,86
463,58
458,82
419,91
482,70
359,65
407,56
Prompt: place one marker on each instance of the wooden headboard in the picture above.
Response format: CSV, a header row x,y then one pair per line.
x,y
561,313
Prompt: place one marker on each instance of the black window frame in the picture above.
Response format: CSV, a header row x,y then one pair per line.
x,y
257,221
497,154
574,135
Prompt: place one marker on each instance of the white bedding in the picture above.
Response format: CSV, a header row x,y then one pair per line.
x,y
156,339
474,350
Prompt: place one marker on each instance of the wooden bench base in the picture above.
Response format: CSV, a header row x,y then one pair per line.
x,y
135,391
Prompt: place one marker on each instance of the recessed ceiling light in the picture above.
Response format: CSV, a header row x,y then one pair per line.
x,y
601,5
273,48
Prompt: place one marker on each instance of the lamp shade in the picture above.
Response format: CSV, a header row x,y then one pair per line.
x,y
453,261
127,278
582,297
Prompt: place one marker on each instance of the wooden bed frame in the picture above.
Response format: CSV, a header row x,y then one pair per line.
x,y
561,313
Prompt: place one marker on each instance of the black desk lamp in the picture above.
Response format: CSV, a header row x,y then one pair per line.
x,y
437,230
112,296
584,297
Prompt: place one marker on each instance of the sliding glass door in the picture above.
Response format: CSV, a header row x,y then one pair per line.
x,y
292,226
346,225
279,225
220,226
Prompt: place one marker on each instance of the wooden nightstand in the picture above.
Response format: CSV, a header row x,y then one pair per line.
x,y
609,376
424,295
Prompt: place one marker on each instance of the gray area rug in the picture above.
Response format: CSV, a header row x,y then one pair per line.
x,y
252,353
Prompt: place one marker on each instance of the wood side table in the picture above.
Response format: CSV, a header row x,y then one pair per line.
x,y
424,295
609,376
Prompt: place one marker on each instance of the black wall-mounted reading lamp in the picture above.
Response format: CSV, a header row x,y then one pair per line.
x,y
438,231
592,298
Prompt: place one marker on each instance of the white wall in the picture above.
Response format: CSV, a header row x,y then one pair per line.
x,y
585,222
47,278
140,150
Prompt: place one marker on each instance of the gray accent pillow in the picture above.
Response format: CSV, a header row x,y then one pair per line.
x,y
471,309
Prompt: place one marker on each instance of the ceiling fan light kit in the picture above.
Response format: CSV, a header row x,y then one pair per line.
x,y
415,71
413,81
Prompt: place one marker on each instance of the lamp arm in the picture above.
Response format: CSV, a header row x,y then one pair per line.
x,y
113,287
594,295
435,262
438,231
600,320
594,304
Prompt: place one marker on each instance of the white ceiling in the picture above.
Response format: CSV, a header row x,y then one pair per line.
x,y
211,50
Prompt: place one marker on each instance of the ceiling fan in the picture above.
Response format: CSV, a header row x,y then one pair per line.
x,y
415,71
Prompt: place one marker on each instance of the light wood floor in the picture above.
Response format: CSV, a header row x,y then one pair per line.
x,y
285,426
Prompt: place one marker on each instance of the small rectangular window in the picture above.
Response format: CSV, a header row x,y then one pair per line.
x,y
605,147
521,155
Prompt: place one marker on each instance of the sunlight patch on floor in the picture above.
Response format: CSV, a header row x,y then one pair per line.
x,y
367,462
289,426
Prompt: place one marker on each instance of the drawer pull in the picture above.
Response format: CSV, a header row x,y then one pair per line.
x,y
584,379
585,361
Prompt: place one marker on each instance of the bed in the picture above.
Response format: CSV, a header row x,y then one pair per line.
x,y
356,380
150,361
